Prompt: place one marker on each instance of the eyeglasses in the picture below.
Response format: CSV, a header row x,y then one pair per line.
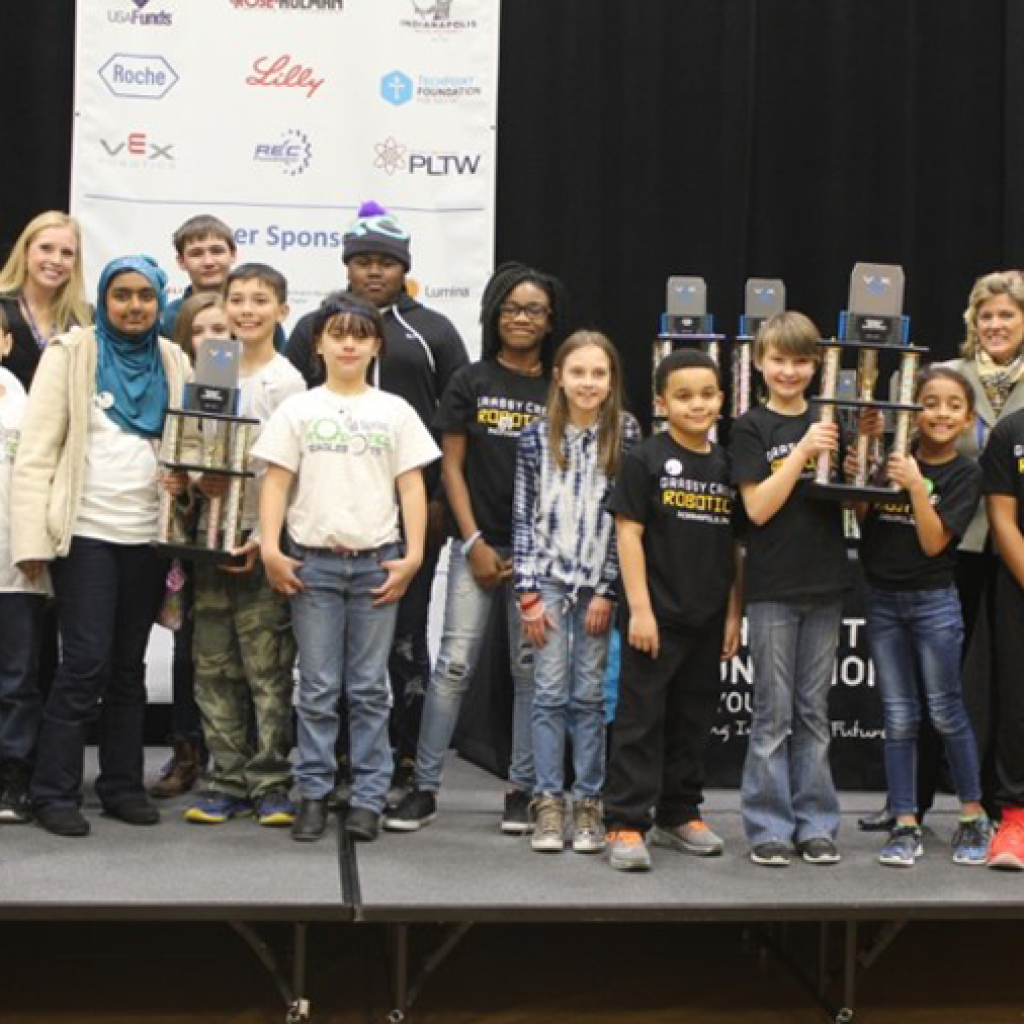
x,y
533,310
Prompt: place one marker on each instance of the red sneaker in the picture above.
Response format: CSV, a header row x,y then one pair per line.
x,y
1007,849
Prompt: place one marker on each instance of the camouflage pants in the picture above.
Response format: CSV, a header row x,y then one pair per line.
x,y
244,654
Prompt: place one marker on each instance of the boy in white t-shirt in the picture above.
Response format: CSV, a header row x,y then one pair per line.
x,y
244,649
343,460
21,608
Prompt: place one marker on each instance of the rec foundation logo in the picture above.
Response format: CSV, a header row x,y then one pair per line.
x,y
139,16
293,153
392,157
398,88
435,18
140,76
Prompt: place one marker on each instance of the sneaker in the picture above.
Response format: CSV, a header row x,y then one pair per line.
x,y
15,808
903,848
691,837
1007,849
64,821
627,850
972,841
548,814
362,824
402,781
274,809
516,820
819,850
877,821
773,854
311,822
587,827
417,808
132,810
215,808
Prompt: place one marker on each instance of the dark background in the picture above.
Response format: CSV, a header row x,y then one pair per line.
x,y
726,138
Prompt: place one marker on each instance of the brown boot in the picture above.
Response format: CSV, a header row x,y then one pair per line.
x,y
180,774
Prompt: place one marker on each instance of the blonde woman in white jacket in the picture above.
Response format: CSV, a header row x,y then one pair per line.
x,y
86,483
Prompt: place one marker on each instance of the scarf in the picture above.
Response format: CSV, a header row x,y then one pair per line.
x,y
129,367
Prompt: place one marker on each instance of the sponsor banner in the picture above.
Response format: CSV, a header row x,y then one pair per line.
x,y
281,117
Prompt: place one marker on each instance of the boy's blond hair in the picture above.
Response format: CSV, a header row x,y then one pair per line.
x,y
789,333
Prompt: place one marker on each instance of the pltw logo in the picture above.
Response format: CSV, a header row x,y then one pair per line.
x,y
392,156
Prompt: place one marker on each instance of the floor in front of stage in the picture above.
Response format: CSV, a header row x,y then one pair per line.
x,y
560,938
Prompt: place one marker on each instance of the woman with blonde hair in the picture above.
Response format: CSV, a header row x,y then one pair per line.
x,y
42,289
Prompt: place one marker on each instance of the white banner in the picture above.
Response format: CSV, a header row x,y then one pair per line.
x,y
281,117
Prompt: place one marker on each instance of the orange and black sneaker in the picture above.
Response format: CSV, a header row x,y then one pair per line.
x,y
1007,849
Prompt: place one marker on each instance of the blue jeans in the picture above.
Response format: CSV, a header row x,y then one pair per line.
x,y
342,637
915,638
787,793
568,676
467,607
21,705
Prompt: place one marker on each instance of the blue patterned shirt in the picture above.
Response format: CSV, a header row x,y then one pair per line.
x,y
562,529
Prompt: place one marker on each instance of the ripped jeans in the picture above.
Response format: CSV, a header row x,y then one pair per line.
x,y
467,608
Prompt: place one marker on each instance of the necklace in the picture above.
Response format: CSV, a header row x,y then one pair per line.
x,y
26,311
532,371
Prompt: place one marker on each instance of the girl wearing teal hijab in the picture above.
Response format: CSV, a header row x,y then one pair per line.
x,y
87,483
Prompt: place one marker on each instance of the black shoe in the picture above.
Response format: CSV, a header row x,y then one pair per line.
x,y
417,809
402,782
132,810
516,820
15,808
311,821
61,820
819,850
362,824
878,821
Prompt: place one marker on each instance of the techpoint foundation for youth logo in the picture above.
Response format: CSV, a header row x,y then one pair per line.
x,y
137,149
397,88
293,153
288,5
392,157
139,17
435,16
141,76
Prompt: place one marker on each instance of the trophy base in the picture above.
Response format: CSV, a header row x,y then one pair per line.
x,y
195,553
851,492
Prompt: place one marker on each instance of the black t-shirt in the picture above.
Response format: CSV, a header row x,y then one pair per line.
x,y
890,550
685,503
491,405
1002,462
800,552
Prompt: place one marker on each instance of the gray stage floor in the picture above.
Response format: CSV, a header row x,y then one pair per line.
x,y
462,868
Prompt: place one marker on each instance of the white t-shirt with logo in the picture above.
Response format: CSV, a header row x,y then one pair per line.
x,y
12,410
346,452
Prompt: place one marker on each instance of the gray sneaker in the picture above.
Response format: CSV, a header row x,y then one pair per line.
x,y
691,837
548,813
627,851
587,827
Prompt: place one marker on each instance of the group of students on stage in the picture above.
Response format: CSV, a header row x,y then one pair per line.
x,y
378,439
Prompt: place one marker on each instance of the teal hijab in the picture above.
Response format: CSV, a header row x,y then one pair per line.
x,y
128,367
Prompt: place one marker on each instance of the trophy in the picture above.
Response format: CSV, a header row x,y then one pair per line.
x,y
763,299
873,325
207,436
686,323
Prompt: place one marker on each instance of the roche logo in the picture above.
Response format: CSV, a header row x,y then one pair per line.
x,y
293,153
138,76
392,156
396,88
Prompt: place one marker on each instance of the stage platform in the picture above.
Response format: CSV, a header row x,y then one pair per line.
x,y
461,870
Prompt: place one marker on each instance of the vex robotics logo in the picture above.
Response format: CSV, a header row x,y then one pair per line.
x,y
144,19
137,149
392,157
877,284
138,76
293,154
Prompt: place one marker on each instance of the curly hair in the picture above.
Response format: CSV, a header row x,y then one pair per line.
x,y
988,286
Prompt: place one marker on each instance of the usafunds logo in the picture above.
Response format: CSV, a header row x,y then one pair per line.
x,y
134,12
